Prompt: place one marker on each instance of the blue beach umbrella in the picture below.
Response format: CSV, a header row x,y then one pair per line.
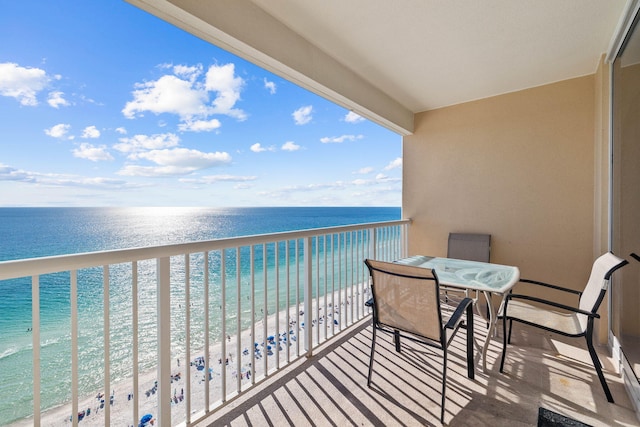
x,y
146,418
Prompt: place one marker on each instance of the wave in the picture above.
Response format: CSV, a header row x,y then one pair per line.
x,y
9,352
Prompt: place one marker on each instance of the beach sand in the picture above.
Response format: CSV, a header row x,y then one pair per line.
x,y
249,364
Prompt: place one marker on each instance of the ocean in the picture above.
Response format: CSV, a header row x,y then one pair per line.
x,y
39,232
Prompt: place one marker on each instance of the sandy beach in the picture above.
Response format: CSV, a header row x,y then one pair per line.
x,y
271,348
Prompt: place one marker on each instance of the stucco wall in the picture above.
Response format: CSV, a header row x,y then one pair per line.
x,y
519,166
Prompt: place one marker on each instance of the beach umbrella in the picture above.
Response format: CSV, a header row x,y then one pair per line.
x,y
146,418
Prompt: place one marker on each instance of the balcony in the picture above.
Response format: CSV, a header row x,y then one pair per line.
x,y
289,373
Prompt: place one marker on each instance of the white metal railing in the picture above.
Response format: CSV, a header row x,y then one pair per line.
x,y
254,303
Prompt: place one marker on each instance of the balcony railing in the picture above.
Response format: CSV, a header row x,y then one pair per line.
x,y
234,311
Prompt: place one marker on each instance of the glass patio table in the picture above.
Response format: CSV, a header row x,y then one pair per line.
x,y
476,276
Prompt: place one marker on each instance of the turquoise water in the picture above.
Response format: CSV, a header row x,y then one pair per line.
x,y
36,232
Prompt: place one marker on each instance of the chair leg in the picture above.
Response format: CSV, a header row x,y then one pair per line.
x,y
396,340
470,361
444,382
510,326
598,366
504,342
373,348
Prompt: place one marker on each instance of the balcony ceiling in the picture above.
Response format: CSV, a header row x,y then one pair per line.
x,y
390,59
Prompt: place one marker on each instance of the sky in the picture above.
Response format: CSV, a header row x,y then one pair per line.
x,y
103,104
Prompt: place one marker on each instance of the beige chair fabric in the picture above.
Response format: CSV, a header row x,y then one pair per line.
x,y
407,298
470,247
597,282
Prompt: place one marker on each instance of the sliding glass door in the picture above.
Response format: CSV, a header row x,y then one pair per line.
x,y
625,237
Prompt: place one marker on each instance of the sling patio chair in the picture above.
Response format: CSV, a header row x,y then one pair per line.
x,y
469,247
406,304
560,318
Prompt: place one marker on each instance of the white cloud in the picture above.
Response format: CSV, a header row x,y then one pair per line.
x,y
8,173
56,100
58,131
88,182
185,157
222,80
186,93
22,83
168,94
139,143
394,164
191,73
382,178
211,179
290,146
175,161
340,139
352,117
121,131
91,152
199,125
302,115
364,171
258,148
309,188
90,132
270,86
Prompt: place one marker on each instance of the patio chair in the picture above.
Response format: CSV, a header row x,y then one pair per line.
x,y
560,318
470,247
406,304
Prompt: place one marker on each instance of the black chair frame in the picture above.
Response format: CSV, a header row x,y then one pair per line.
x,y
588,333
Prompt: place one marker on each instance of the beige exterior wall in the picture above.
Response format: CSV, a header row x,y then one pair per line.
x,y
519,166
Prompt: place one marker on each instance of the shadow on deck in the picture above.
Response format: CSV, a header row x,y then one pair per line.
x,y
330,388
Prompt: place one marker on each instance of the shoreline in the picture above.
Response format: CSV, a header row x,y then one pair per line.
x,y
249,365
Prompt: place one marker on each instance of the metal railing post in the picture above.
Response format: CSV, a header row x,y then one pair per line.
x,y
107,351
35,339
308,283
164,341
373,238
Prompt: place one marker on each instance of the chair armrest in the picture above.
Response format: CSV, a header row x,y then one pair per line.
x,y
635,256
369,302
456,318
548,285
547,302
